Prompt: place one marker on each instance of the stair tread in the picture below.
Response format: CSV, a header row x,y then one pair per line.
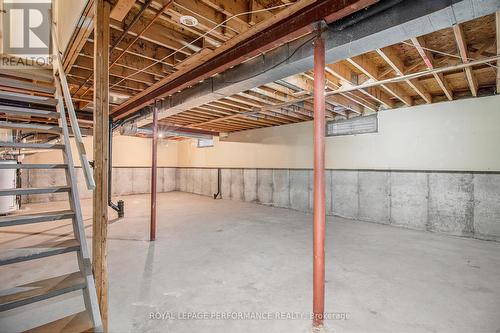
x,y
10,220
76,323
32,166
18,145
31,112
9,256
34,190
16,83
40,290
37,75
31,127
18,97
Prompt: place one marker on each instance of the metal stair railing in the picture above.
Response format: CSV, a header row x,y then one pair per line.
x,y
84,262
61,75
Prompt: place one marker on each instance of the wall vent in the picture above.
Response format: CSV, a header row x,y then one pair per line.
x,y
358,125
205,143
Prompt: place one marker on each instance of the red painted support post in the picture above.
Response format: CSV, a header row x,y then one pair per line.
x,y
154,159
319,212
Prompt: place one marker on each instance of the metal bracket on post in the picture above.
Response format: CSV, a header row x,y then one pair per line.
x,y
320,27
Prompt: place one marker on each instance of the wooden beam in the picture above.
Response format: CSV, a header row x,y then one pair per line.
x,y
306,84
370,84
359,98
230,8
428,59
207,17
380,96
342,72
257,15
134,60
244,46
121,9
278,93
171,20
345,75
363,64
346,103
101,155
420,89
300,81
392,59
152,49
462,48
118,71
161,35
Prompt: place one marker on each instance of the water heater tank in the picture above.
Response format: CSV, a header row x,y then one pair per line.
x,y
8,178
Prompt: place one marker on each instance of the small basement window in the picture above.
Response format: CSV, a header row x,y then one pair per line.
x,y
358,125
204,143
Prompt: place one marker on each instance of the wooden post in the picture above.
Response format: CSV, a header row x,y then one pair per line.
x,y
101,155
154,159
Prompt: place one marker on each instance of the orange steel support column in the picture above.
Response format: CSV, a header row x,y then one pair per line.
x,y
154,159
319,184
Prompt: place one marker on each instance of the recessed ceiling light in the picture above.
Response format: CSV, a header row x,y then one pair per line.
x,y
189,21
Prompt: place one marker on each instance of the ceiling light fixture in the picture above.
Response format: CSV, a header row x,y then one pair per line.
x,y
189,21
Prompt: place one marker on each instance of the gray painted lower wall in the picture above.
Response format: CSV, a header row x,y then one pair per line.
x,y
125,181
454,203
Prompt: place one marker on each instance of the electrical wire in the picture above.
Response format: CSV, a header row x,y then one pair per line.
x,y
202,36
275,65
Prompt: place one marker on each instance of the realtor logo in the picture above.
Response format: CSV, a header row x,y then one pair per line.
x,y
26,28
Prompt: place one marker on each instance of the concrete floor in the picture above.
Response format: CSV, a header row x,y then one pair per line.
x,y
224,256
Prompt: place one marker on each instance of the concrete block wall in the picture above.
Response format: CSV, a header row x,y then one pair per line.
x,y
125,181
455,203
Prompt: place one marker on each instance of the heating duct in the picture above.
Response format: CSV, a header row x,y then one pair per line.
x,y
163,132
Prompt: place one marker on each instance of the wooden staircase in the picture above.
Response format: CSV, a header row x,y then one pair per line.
x,y
35,103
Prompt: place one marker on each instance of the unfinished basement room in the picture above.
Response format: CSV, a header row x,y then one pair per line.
x,y
250,166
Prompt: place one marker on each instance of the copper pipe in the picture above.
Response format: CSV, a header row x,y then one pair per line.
x,y
319,212
154,141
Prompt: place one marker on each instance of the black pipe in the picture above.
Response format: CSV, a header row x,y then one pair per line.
x,y
120,206
19,184
219,180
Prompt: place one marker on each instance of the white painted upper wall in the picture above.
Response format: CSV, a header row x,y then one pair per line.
x,y
67,14
127,152
457,135
460,135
